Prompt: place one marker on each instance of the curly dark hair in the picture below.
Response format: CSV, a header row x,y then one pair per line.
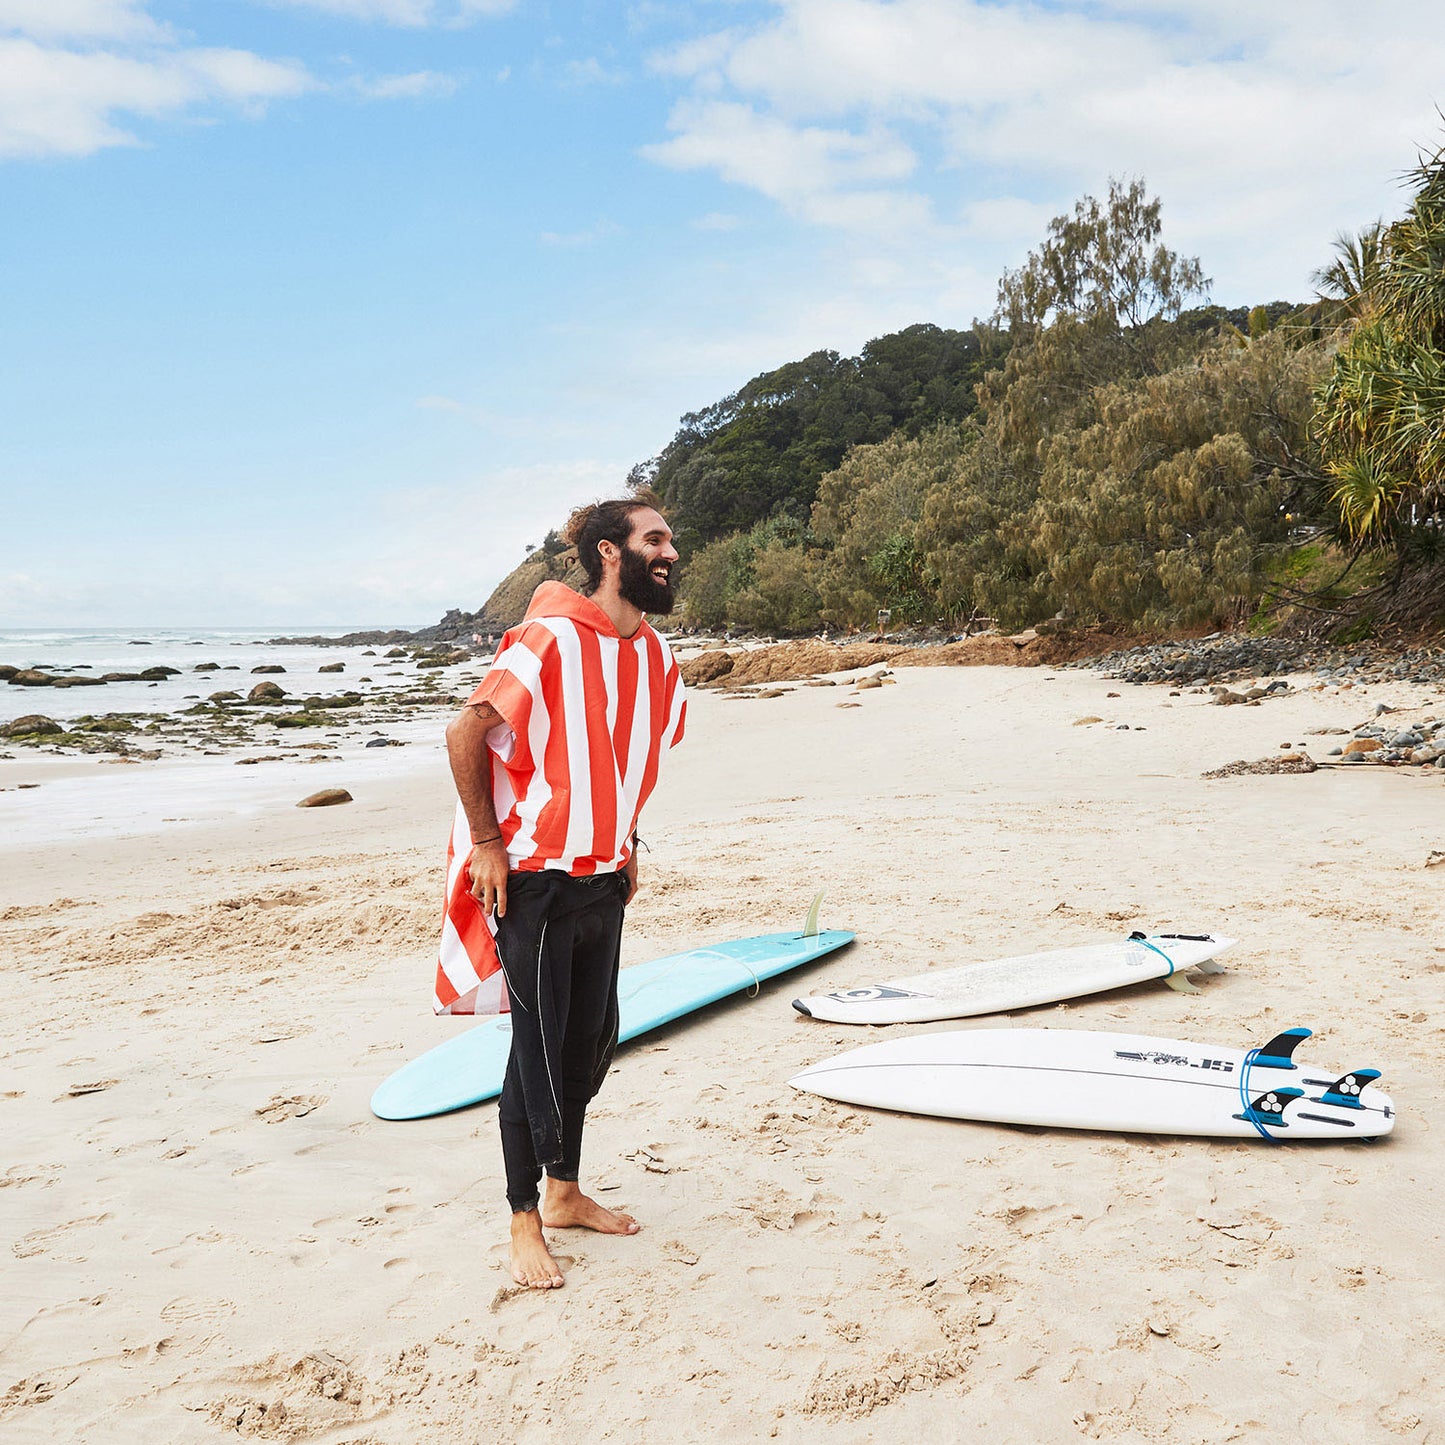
x,y
609,521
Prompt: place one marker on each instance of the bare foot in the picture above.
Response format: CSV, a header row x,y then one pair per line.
x,y
565,1206
532,1265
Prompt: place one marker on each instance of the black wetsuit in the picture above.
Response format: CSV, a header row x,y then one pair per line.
x,y
559,942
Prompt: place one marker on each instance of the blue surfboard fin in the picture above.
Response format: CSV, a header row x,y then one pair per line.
x,y
1278,1053
1268,1108
1345,1091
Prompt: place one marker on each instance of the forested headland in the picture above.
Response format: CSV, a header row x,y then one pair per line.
x,y
1107,448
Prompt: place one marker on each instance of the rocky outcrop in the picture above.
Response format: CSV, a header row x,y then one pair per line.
x,y
31,725
508,603
266,692
1227,657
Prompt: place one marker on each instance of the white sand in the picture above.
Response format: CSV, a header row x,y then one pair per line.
x,y
221,1240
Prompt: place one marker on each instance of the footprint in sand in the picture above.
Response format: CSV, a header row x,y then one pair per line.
x,y
293,1106
183,1312
53,1242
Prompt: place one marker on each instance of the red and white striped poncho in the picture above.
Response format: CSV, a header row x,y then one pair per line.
x,y
587,716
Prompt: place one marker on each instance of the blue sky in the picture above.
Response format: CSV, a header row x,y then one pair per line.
x,y
319,311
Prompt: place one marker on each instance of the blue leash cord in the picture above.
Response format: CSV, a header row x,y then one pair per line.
x,y
1247,1112
1139,938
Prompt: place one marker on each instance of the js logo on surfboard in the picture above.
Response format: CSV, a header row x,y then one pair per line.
x,y
1223,1066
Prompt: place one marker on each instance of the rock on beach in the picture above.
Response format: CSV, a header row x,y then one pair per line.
x,y
326,798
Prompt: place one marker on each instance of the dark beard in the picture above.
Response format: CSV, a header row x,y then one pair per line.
x,y
638,586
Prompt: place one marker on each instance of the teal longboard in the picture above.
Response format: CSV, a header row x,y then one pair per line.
x,y
468,1069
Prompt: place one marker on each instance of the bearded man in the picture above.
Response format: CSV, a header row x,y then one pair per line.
x,y
554,756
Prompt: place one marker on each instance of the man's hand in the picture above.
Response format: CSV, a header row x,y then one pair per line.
x,y
488,871
629,872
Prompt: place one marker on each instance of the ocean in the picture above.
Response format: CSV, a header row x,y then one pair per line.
x,y
208,660
50,797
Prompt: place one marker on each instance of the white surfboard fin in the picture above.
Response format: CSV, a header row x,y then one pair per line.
x,y
1181,983
810,928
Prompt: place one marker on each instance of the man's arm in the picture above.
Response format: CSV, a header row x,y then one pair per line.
x,y
471,762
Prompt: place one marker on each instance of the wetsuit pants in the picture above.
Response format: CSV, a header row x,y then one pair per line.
x,y
559,942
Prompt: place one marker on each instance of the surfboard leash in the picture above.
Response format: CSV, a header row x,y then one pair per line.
x,y
1246,1110
1137,937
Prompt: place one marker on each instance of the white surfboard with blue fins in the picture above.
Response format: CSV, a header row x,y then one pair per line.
x,y
1129,1083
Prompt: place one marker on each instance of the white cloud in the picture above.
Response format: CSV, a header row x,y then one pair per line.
x,y
408,13
1264,127
416,86
79,19
824,174
77,75
387,12
591,71
55,101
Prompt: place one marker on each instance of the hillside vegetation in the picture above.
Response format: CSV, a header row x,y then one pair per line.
x,y
1105,449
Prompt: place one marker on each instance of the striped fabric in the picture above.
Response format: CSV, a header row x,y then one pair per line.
x,y
587,716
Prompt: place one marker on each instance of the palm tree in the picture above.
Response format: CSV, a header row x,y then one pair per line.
x,y
1381,412
1353,276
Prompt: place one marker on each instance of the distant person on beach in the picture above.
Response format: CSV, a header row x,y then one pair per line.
x,y
554,756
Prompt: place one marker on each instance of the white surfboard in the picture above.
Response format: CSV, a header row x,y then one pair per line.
x,y
1078,1079
1009,983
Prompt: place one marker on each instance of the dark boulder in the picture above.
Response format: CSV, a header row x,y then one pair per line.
x,y
29,726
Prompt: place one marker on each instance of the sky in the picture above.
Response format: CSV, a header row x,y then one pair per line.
x,y
320,312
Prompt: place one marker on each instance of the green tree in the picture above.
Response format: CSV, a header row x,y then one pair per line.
x,y
1104,262
867,520
1381,416
1353,275
1095,306
1165,508
760,452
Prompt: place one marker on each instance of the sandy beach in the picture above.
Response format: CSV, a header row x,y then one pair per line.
x,y
207,1235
